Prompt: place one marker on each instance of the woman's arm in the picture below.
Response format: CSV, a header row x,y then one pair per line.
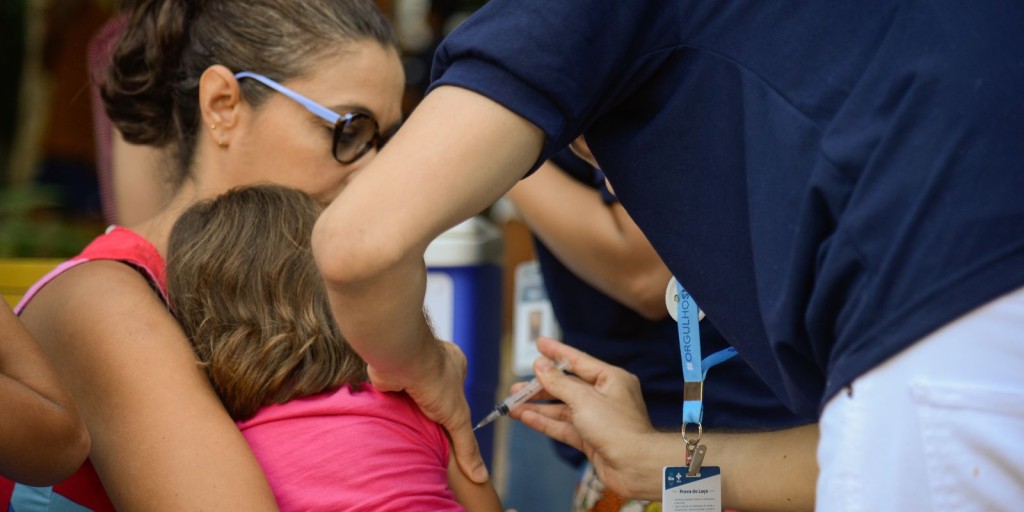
x,y
598,242
42,437
161,440
604,416
457,154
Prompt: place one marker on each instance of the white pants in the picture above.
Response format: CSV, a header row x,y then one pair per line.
x,y
940,426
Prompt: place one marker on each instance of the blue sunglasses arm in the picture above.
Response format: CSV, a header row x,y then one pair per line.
x,y
320,111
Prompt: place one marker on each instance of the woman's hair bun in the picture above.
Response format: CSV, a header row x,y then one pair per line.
x,y
138,89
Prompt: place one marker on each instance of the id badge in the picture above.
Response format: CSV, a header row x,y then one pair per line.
x,y
701,493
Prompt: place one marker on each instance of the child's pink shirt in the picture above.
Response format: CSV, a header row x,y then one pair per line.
x,y
352,450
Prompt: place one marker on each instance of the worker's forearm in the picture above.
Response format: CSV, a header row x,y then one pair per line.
x,y
454,156
761,471
384,322
597,241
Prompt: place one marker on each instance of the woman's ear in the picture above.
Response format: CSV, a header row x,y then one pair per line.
x,y
219,101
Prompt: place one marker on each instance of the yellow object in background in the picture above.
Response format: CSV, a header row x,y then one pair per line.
x,y
17,275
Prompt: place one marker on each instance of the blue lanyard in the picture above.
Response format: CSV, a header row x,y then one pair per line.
x,y
695,369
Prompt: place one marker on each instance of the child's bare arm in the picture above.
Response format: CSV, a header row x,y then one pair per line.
x,y
475,497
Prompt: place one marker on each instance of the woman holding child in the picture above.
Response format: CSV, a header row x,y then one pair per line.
x,y
161,439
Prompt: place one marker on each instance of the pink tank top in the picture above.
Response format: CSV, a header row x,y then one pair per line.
x,y
84,487
118,244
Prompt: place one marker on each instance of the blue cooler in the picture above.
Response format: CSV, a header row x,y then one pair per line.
x,y
463,300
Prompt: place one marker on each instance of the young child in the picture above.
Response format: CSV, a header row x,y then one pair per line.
x,y
245,287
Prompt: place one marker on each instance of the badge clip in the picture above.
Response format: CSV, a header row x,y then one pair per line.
x,y
696,461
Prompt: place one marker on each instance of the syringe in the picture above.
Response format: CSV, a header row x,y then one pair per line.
x,y
518,398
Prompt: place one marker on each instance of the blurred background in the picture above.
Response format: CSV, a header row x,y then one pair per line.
x,y
53,198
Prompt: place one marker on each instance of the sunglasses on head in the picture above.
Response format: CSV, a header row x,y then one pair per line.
x,y
354,133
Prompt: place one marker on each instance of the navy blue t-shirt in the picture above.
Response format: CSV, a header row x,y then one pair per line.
x,y
832,181
734,397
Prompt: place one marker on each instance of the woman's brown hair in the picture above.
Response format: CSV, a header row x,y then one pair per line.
x,y
243,283
151,90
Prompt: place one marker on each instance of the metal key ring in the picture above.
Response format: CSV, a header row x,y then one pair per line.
x,y
686,439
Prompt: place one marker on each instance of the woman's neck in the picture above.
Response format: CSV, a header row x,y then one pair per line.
x,y
157,229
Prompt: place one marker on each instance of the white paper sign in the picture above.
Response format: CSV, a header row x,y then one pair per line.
x,y
533,317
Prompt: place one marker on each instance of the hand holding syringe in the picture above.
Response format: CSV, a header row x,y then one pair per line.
x,y
518,398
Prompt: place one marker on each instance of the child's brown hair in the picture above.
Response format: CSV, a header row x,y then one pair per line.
x,y
243,283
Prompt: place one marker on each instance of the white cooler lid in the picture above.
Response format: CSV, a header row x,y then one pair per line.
x,y
473,242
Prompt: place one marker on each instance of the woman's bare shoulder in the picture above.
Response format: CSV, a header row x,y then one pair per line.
x,y
93,295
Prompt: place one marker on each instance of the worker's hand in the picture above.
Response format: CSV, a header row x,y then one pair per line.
x,y
437,387
602,414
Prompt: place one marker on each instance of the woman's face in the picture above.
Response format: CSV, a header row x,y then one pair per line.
x,y
286,144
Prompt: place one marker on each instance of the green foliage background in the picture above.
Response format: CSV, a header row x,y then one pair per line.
x,y
30,225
